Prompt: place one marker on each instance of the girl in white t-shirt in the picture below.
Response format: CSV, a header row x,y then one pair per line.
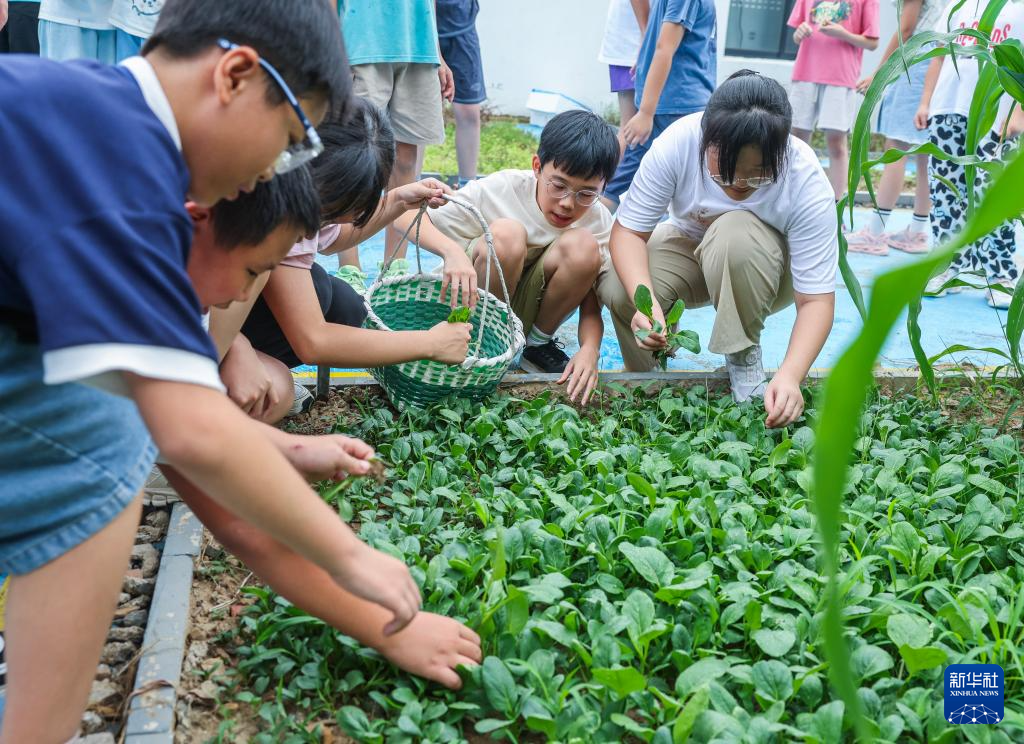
x,y
945,104
752,227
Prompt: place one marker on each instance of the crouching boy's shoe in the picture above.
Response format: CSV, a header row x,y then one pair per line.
x,y
547,357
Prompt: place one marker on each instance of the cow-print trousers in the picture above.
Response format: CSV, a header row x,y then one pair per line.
x,y
993,254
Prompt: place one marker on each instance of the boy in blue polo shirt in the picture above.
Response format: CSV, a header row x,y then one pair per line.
x,y
96,191
675,76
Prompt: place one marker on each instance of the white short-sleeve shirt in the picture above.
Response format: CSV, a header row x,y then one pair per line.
x,y
801,204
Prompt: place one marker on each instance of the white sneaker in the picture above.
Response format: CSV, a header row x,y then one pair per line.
x,y
934,285
1000,300
157,491
746,373
303,401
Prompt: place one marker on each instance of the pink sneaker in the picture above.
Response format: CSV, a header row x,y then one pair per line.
x,y
865,241
909,242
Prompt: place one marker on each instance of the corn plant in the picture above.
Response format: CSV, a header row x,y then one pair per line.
x,y
1001,68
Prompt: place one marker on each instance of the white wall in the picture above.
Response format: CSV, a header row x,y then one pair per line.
x,y
553,44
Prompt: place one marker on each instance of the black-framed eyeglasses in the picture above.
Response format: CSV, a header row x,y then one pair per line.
x,y
297,155
584,197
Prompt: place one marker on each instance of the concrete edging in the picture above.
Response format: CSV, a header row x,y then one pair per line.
x,y
151,714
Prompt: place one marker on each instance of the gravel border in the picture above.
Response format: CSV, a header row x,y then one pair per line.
x,y
151,714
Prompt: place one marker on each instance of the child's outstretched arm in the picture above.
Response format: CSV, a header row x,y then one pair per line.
x,y
638,129
206,437
431,646
581,371
397,202
459,273
292,299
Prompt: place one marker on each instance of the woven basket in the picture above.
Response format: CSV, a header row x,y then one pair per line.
x,y
413,303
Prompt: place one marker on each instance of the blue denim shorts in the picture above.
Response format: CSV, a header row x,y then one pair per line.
x,y
71,459
462,55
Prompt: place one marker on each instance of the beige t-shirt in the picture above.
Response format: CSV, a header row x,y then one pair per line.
x,y
511,194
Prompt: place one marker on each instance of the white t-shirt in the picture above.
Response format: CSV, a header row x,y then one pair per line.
x,y
512,194
621,43
92,14
953,92
929,16
136,17
800,205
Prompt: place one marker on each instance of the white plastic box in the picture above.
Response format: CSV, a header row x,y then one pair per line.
x,y
544,105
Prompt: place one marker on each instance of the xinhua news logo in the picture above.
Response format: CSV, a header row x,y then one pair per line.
x,y
973,693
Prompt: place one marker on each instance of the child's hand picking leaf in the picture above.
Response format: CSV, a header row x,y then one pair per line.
x,y
674,340
460,315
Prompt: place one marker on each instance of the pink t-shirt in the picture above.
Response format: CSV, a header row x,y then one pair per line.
x,y
823,59
303,254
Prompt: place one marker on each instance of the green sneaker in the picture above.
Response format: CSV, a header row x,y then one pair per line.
x,y
353,276
398,267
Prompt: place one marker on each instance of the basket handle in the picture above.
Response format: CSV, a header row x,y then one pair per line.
x,y
492,257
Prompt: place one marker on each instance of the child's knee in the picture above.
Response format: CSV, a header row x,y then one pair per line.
x,y
578,253
509,241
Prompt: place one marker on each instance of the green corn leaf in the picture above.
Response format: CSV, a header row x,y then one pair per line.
x,y
1015,324
914,334
845,270
846,391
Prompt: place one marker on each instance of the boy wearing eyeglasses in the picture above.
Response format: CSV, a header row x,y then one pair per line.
x,y
550,236
108,157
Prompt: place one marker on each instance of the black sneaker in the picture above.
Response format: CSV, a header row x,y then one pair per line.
x,y
547,357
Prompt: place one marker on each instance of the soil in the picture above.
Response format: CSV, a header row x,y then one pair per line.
x,y
115,676
205,708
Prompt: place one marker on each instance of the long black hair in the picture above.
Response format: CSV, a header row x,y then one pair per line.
x,y
747,109
353,170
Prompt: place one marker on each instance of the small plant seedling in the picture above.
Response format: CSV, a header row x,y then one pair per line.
x,y
684,339
376,471
459,315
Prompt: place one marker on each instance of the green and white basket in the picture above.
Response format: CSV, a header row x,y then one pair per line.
x,y
413,303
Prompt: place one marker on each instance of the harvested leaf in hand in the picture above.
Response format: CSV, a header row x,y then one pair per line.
x,y
675,313
460,315
643,301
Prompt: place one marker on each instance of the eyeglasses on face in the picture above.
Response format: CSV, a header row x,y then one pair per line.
x,y
757,182
297,155
584,197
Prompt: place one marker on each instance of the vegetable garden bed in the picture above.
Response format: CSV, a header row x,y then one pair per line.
x,y
648,570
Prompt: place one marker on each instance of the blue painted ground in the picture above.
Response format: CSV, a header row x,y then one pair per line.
x,y
955,319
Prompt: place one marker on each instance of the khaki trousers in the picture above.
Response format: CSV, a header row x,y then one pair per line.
x,y
741,267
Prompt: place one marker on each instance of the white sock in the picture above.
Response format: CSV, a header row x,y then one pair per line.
x,y
536,338
878,219
919,224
